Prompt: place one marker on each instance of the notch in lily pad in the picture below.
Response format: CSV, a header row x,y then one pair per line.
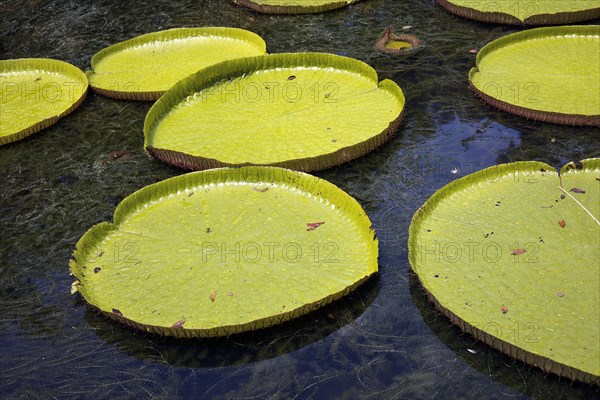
x,y
392,43
323,110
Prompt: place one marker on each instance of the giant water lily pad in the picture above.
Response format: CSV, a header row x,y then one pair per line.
x,y
524,12
222,251
548,74
293,6
305,111
35,93
145,67
511,254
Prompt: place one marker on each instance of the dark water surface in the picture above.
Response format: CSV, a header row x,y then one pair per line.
x,y
386,341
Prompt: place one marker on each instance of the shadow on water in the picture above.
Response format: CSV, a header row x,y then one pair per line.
x,y
238,349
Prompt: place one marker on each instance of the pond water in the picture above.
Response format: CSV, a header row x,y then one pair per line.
x,y
385,341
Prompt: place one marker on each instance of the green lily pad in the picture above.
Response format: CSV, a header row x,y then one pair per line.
x,y
224,251
293,6
35,93
546,74
304,111
145,67
524,12
511,254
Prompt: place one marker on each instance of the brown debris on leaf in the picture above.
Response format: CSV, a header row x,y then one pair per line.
x,y
562,223
313,225
392,43
504,309
213,296
178,324
517,252
577,190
